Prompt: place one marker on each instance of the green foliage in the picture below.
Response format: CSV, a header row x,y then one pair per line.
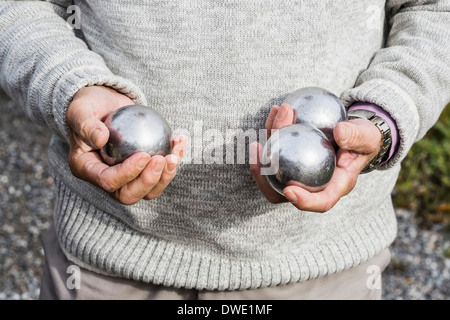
x,y
446,253
424,181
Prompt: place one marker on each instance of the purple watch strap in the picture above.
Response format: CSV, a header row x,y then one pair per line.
x,y
386,117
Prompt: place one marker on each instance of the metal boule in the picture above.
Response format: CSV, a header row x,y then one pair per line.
x,y
298,155
317,107
133,129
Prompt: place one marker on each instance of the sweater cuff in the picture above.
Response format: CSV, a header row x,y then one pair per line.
x,y
77,78
397,103
386,117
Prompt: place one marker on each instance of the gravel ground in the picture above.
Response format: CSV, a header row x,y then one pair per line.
x,y
420,266
418,270
26,200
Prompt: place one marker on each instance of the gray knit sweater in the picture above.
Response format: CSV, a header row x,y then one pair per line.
x,y
220,65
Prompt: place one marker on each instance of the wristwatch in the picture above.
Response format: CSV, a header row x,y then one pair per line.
x,y
385,136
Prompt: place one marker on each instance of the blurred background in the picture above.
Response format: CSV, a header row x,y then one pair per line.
x,y
420,267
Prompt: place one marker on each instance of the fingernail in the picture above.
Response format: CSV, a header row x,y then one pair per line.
x,y
93,137
142,162
158,167
282,113
172,161
172,158
183,138
273,112
291,196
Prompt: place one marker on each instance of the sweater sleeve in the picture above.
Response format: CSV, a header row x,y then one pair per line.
x,y
380,112
410,77
43,63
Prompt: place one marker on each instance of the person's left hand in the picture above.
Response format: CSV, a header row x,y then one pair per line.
x,y
359,141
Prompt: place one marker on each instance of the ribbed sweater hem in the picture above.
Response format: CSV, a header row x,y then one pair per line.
x,y
99,242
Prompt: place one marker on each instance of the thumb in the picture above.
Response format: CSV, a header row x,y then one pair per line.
x,y
359,135
83,122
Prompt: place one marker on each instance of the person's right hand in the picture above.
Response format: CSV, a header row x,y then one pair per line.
x,y
140,176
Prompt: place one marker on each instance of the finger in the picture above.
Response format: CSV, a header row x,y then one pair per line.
x,y
142,185
179,145
352,162
340,185
166,177
359,135
89,167
270,118
77,145
151,183
284,117
81,119
255,168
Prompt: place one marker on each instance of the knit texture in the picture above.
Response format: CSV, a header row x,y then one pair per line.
x,y
211,67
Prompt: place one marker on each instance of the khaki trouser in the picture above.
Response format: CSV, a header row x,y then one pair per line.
x,y
58,282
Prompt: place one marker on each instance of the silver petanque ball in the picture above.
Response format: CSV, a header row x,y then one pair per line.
x,y
298,155
317,107
133,129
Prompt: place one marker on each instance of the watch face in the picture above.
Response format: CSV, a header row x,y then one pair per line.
x,y
361,113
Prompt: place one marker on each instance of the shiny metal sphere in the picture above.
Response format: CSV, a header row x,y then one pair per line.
x,y
135,128
317,107
298,155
